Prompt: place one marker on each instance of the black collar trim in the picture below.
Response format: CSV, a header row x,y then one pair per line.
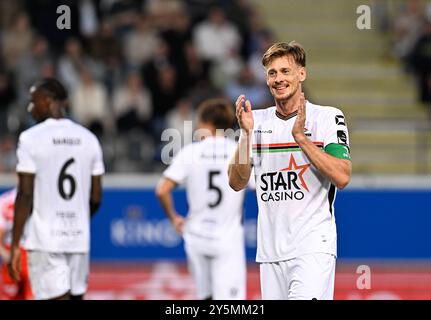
x,y
289,116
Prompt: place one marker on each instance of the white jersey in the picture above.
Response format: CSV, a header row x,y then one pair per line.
x,y
215,210
63,156
296,214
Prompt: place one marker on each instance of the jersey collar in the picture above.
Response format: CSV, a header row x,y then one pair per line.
x,y
285,118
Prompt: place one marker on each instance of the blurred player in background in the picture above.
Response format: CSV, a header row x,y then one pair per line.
x,y
12,290
300,155
212,231
59,168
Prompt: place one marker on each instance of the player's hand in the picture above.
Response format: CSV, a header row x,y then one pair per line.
x,y
245,117
14,265
178,223
299,125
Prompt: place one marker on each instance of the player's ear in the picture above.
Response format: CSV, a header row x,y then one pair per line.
x,y
302,74
266,76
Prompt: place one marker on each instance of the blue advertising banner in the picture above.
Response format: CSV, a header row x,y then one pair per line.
x,y
131,225
371,224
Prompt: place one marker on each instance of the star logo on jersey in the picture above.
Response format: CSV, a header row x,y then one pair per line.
x,y
302,168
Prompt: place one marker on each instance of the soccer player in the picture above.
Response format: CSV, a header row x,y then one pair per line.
x,y
59,182
212,231
12,290
300,154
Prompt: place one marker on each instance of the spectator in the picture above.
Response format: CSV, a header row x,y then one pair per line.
x,y
73,61
258,33
216,38
43,17
132,105
30,67
240,12
88,18
8,154
89,103
222,72
175,119
263,42
193,70
420,61
141,43
7,96
7,11
17,40
106,48
408,27
246,84
160,60
168,91
177,35
164,12
202,91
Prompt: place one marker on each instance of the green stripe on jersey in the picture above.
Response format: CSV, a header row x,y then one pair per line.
x,y
339,151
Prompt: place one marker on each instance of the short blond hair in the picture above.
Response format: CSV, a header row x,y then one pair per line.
x,y
281,49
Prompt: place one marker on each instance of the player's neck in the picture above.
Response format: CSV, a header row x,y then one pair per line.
x,y
289,106
56,113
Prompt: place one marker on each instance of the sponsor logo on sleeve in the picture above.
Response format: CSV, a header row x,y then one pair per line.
x,y
342,137
340,121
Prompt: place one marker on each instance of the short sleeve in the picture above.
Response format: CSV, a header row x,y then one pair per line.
x,y
180,166
98,168
26,162
336,135
336,130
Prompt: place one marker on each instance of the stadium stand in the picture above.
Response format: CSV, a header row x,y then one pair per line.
x,y
355,70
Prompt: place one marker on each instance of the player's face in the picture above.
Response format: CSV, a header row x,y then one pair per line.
x,y
39,105
283,77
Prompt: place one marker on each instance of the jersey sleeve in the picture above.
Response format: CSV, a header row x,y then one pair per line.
x,y
336,136
180,166
98,168
26,162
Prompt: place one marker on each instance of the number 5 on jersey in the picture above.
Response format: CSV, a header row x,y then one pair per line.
x,y
211,186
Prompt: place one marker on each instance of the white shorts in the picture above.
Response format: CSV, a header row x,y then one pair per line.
x,y
52,275
307,277
222,275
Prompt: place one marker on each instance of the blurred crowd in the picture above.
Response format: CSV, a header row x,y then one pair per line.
x,y
132,67
412,43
